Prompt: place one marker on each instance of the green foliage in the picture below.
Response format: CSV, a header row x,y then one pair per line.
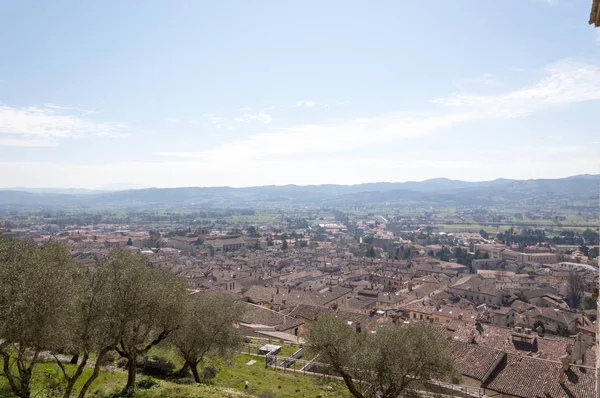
x,y
593,253
37,303
53,384
393,362
146,305
588,303
147,383
207,330
284,245
209,373
156,367
562,330
539,324
371,252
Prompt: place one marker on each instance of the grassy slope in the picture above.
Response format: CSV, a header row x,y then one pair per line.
x,y
228,383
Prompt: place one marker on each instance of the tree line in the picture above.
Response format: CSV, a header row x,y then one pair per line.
x,y
123,305
529,236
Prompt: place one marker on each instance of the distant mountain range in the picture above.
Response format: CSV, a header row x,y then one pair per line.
x,y
438,192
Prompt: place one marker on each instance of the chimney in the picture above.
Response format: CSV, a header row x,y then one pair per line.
x,y
277,291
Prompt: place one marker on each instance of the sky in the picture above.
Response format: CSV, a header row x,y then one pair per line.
x,y
116,94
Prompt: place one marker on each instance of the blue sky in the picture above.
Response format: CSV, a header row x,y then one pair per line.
x,y
241,93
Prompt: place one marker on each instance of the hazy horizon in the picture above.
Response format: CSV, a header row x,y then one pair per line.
x,y
122,186
239,94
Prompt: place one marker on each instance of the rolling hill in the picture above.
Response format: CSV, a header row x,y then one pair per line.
x,y
439,191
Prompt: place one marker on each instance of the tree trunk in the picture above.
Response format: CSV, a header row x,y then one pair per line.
x,y
194,369
131,371
25,372
350,384
184,371
95,373
9,376
74,359
78,372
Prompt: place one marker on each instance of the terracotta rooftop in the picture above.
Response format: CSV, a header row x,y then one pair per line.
x,y
257,315
473,360
524,377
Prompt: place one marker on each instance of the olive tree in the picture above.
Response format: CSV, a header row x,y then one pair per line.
x,y
395,361
208,330
93,328
146,306
36,305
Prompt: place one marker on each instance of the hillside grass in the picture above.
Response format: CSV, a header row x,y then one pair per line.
x,y
229,382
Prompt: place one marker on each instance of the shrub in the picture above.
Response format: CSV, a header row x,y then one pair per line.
x,y
147,383
113,357
184,380
156,367
209,373
122,362
123,394
53,384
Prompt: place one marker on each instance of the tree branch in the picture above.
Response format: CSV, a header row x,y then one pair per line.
x,y
61,366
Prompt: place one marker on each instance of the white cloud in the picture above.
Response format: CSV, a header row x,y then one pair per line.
x,y
343,151
537,151
312,104
325,138
27,142
72,108
259,117
216,121
565,82
43,125
307,104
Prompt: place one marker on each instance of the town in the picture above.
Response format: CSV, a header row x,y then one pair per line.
x,y
510,302
310,199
